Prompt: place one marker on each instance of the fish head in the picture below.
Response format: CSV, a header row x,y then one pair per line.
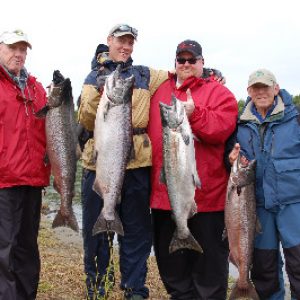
x,y
119,89
59,91
242,175
172,115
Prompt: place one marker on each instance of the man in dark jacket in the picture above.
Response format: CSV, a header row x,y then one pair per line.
x,y
269,131
23,173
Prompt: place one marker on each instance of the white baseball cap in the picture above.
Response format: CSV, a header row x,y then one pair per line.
x,y
15,36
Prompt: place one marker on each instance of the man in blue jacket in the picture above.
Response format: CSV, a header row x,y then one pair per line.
x,y
269,131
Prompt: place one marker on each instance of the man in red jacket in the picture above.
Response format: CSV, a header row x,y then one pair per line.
x,y
23,173
212,111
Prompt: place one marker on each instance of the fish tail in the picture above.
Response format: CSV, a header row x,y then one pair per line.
x,y
249,292
189,243
68,220
103,225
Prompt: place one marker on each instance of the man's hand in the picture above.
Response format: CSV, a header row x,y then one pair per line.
x,y
217,76
189,105
233,155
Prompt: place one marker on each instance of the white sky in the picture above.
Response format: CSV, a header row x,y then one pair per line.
x,y
237,36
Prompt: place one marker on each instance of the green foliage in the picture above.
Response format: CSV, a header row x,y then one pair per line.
x,y
241,105
296,100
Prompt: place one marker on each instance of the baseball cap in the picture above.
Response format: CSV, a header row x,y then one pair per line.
x,y
15,36
262,76
189,46
123,29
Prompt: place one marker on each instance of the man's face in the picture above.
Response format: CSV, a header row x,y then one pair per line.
x,y
120,48
13,57
188,69
263,96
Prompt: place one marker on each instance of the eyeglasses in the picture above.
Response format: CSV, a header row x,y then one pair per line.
x,y
126,28
191,61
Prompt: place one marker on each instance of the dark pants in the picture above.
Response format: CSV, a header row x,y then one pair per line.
x,y
279,225
135,245
96,248
19,255
187,274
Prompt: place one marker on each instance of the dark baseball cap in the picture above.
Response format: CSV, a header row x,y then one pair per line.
x,y
189,46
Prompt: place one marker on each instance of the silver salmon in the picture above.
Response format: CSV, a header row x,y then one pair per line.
x,y
61,146
179,172
113,145
241,226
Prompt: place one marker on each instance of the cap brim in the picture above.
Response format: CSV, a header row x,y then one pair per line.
x,y
264,82
117,34
14,41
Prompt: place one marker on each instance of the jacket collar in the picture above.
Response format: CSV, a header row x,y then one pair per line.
x,y
188,83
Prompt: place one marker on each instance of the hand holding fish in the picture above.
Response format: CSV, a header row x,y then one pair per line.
x,y
233,155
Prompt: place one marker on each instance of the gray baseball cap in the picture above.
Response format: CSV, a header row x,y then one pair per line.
x,y
263,76
123,29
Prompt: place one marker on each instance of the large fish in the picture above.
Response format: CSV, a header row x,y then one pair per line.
x,y
62,146
179,172
241,226
113,148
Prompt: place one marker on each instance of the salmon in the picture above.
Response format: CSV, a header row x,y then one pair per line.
x,y
179,172
113,148
62,146
241,226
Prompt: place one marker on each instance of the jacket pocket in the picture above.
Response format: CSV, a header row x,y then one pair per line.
x,y
287,180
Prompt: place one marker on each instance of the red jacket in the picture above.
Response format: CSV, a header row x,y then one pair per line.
x,y
22,135
212,122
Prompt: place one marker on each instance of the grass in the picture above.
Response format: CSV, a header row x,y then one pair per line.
x,y
62,276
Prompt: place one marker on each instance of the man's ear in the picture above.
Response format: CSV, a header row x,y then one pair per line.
x,y
276,89
109,40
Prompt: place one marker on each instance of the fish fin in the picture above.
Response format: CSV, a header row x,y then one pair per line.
x,y
97,188
196,179
196,138
46,159
42,112
162,176
185,137
56,186
249,293
189,243
192,211
132,152
232,260
224,234
258,227
119,199
78,151
103,225
66,221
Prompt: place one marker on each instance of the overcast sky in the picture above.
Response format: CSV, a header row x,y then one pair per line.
x,y
237,36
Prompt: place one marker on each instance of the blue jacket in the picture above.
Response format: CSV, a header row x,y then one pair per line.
x,y
275,144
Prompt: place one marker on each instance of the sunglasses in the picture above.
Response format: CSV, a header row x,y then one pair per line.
x,y
126,28
182,61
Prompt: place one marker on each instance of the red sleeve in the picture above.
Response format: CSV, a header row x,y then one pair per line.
x,y
215,114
